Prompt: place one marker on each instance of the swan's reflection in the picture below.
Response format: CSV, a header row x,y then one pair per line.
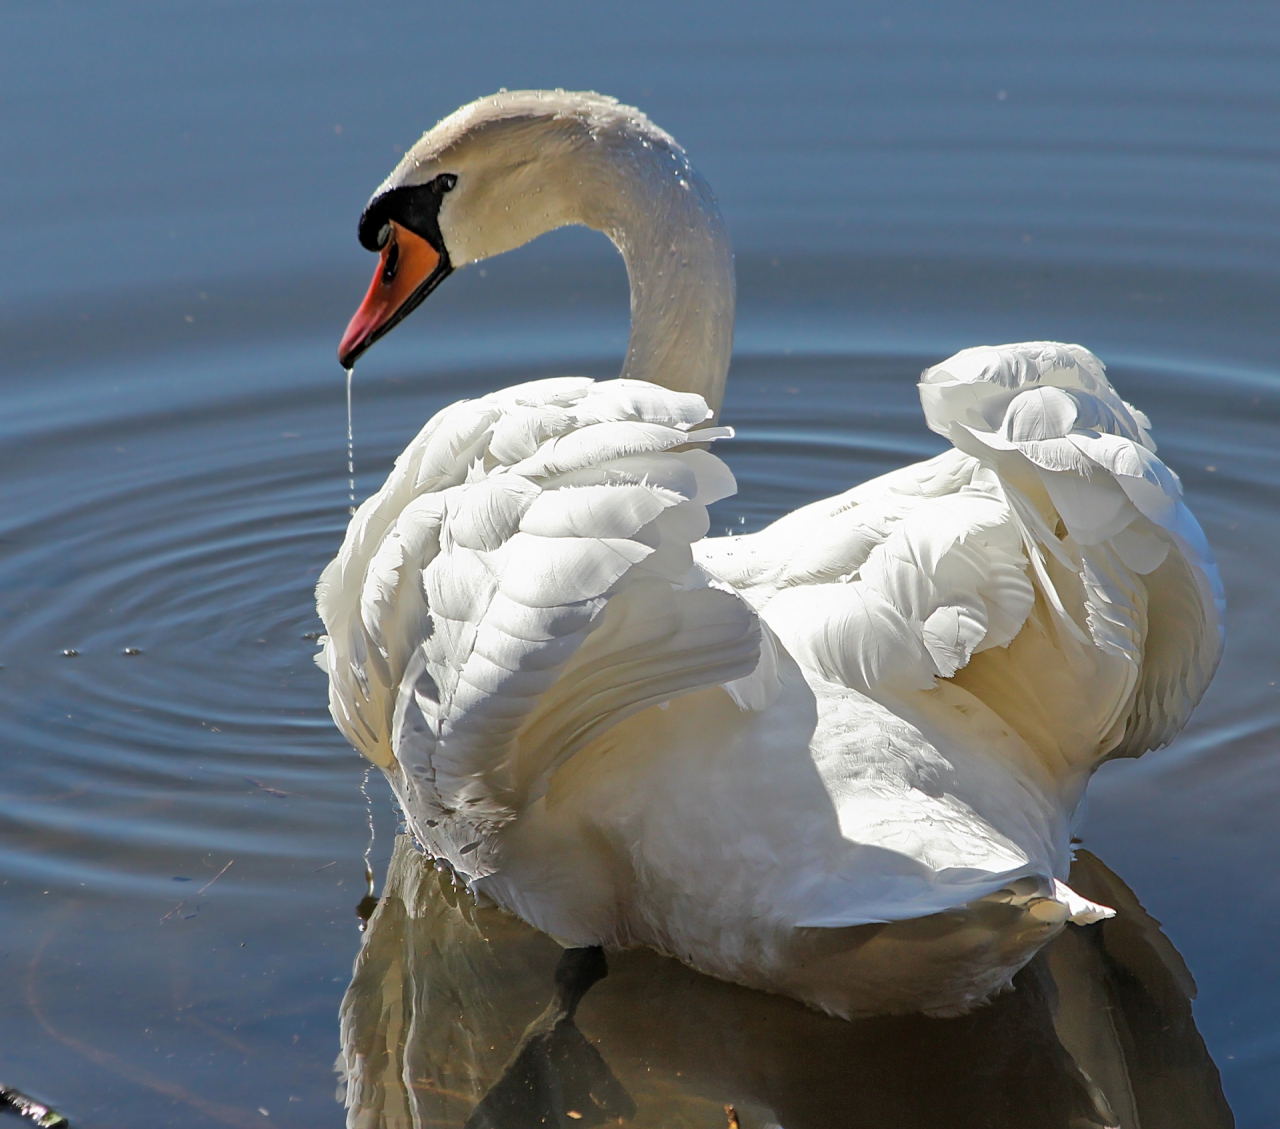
x,y
462,1016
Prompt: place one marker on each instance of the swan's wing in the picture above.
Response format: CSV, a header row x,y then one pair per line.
x,y
1052,542
523,581
1113,548
898,581
982,629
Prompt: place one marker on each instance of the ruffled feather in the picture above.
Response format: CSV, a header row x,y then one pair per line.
x,y
521,582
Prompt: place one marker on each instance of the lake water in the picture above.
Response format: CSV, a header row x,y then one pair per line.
x,y
183,832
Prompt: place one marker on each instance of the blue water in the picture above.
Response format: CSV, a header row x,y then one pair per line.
x,y
181,187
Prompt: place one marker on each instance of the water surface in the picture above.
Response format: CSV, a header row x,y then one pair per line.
x,y
182,830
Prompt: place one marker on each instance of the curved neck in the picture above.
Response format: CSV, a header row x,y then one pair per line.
x,y
526,162
662,216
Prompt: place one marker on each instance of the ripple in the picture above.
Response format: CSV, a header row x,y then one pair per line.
x,y
195,538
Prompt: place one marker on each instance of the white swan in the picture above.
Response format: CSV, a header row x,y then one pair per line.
x,y
839,758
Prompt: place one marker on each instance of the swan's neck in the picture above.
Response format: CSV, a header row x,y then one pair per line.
x,y
642,192
527,162
680,266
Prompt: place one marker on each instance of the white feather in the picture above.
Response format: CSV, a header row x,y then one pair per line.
x,y
885,706
882,707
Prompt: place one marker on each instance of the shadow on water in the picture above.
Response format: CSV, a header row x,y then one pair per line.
x,y
446,1022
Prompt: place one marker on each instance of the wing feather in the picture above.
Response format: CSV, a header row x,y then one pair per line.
x,y
522,582
1112,514
1047,564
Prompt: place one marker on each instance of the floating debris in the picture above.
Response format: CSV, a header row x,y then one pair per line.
x,y
36,1112
279,795
216,877
182,904
131,651
70,653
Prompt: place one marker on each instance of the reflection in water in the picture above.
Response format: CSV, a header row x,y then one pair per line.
x,y
446,1023
555,1072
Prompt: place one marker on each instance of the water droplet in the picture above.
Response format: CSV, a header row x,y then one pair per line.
x,y
351,453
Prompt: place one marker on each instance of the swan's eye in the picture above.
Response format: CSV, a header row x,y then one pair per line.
x,y
392,264
383,235
446,181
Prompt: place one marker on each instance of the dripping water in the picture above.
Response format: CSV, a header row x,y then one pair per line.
x,y
367,904
351,461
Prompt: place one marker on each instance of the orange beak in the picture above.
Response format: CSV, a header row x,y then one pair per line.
x,y
408,270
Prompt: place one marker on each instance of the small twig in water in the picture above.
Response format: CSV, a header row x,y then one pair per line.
x,y
197,893
279,793
214,879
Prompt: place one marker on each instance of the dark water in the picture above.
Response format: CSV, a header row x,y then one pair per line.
x,y
180,191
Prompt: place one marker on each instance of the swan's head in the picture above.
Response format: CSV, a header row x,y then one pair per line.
x,y
487,179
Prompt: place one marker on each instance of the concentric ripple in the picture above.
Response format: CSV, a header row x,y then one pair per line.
x,y
174,793
159,626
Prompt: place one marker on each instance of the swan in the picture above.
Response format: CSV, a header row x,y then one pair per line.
x,y
840,759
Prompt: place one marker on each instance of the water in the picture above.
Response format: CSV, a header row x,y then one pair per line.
x,y
351,450
182,832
